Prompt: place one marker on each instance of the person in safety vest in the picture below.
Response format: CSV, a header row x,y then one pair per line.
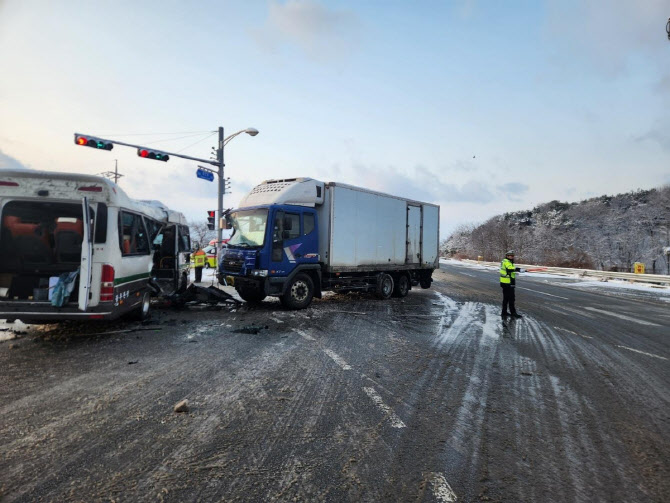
x,y
199,257
507,282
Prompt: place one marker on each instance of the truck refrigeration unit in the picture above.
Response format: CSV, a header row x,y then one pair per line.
x,y
82,239
295,238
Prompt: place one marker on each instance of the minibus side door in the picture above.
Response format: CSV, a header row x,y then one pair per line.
x,y
86,257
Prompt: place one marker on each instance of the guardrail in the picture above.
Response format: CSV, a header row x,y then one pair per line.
x,y
628,276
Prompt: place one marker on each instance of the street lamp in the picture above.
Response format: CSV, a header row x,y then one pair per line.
x,y
223,141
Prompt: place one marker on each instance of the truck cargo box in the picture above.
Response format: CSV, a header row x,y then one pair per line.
x,y
371,230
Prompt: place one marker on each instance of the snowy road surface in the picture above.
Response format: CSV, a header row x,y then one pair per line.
x,y
429,398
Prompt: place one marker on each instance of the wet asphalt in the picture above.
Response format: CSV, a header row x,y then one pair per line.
x,y
428,398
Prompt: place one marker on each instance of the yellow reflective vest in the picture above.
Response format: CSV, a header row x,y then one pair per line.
x,y
199,258
507,272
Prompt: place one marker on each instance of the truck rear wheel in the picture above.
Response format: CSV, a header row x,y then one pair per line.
x,y
402,286
425,282
250,295
384,286
299,293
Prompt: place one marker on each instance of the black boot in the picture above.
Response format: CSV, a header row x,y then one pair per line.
x,y
516,315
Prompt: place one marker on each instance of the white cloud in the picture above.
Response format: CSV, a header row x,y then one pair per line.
x,y
608,34
321,33
8,162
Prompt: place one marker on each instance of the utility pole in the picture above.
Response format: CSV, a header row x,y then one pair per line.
x,y
113,174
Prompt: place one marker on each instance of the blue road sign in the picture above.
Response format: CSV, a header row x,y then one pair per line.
x,y
205,175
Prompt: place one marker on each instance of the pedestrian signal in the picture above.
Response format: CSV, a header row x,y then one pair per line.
x,y
211,215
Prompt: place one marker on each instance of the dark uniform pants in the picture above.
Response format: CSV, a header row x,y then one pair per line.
x,y
198,275
508,298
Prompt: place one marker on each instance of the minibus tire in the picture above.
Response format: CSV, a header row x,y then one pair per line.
x,y
143,312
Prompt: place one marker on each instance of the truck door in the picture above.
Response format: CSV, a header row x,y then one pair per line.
x,y
86,257
413,255
287,245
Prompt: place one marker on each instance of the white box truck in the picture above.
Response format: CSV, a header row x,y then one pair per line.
x,y
295,238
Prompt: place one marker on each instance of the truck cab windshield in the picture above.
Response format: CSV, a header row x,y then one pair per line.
x,y
248,227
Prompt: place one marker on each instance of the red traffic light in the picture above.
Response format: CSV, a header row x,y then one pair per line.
x,y
91,141
153,154
211,214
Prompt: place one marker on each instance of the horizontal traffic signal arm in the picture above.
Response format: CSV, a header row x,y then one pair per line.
x,y
146,152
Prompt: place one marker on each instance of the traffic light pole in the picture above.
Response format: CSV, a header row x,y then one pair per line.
x,y
222,189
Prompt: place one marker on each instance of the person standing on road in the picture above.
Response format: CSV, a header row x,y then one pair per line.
x,y
199,257
507,282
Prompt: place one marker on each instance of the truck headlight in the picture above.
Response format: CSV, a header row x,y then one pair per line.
x,y
259,272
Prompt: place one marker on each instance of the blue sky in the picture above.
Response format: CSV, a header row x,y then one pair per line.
x,y
481,107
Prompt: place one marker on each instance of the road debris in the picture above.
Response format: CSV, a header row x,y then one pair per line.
x,y
182,406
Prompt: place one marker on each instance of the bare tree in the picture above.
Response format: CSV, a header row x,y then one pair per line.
x,y
200,233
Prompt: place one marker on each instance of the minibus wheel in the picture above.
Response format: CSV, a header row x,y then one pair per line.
x,y
143,311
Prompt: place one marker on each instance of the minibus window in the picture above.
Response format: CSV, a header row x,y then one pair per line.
x,y
132,235
101,224
184,239
154,229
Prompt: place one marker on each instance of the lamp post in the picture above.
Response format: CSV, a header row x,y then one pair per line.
x,y
223,141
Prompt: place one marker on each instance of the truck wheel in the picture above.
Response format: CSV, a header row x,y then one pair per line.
x,y
402,286
384,286
251,295
425,282
299,293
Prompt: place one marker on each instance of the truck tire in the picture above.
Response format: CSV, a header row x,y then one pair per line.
x,y
425,282
402,286
251,295
384,286
299,292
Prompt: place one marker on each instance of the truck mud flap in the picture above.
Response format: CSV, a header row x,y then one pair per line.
x,y
209,295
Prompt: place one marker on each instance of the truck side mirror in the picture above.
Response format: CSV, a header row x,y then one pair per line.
x,y
288,224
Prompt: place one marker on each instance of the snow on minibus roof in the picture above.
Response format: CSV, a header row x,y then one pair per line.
x,y
61,185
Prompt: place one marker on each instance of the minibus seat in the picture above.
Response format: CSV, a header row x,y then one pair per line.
x,y
126,244
32,250
30,241
19,228
68,237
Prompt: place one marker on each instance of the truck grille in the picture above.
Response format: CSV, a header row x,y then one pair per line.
x,y
232,265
